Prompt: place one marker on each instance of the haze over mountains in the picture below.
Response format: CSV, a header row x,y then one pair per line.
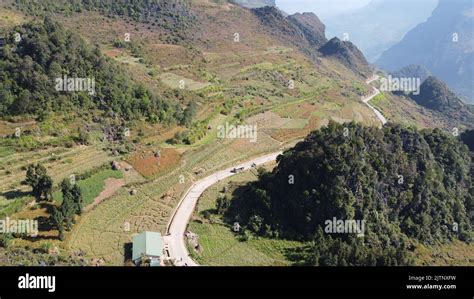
x,y
421,37
170,74
380,24
444,44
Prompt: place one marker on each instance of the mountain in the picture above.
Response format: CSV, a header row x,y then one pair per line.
x,y
254,3
379,25
412,71
348,54
311,26
436,95
304,32
402,183
444,44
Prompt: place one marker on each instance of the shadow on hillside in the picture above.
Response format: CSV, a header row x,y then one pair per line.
x,y
127,256
298,256
9,195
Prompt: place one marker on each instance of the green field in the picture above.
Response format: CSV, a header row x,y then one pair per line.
x,y
93,186
6,151
379,100
222,247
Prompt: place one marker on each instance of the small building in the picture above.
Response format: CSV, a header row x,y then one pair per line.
x,y
148,245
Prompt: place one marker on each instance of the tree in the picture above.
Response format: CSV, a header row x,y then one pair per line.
x,y
38,179
5,240
71,206
58,219
402,182
72,202
222,204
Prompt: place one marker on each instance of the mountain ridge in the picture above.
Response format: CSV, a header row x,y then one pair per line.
x,y
444,44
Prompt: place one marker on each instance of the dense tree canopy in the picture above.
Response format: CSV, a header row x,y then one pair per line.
x,y
402,182
38,54
174,13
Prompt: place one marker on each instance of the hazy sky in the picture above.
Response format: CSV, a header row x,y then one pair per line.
x,y
322,8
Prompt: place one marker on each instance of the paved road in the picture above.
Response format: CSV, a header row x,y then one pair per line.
x,y
174,240
375,92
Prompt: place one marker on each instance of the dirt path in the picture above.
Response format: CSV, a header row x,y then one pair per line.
x,y
111,186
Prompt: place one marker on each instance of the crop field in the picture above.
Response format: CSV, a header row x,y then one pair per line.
x,y
174,81
253,73
102,231
148,165
93,186
60,163
455,254
221,247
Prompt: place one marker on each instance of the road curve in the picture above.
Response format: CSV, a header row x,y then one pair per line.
x,y
174,240
375,92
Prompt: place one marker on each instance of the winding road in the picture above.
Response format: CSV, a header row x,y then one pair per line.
x,y
175,244
174,239
375,92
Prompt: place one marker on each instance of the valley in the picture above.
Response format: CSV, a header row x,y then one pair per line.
x,y
147,144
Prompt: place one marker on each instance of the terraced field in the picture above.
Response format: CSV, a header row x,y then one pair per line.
x,y
102,232
252,78
60,163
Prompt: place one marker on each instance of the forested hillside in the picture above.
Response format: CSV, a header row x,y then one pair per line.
x,y
139,10
405,184
39,53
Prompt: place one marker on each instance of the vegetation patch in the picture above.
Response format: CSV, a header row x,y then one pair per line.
x,y
91,187
149,163
398,185
220,245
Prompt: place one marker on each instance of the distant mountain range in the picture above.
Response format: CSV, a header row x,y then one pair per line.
x,y
444,44
379,25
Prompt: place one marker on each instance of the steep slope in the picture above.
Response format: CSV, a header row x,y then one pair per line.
x,y
348,54
412,71
51,69
435,95
281,28
403,183
443,44
380,24
311,26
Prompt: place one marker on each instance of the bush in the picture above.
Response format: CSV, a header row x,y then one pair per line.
x,y
5,240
